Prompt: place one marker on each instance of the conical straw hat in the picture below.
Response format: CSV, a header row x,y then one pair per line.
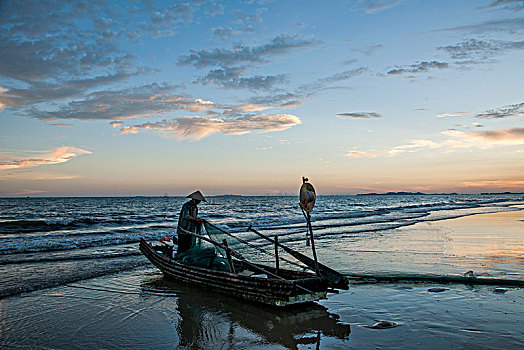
x,y
197,195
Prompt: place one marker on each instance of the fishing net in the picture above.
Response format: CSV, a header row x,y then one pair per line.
x,y
203,254
219,235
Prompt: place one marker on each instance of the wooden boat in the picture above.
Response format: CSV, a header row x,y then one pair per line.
x,y
248,281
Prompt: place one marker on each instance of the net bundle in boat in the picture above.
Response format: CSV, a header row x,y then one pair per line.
x,y
218,235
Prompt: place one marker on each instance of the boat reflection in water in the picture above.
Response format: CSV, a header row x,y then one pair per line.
x,y
209,320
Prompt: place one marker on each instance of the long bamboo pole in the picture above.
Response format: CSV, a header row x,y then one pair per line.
x,y
328,273
312,243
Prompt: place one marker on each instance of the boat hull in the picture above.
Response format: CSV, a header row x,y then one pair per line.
x,y
266,290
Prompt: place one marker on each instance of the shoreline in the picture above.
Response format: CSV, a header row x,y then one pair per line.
x,y
482,245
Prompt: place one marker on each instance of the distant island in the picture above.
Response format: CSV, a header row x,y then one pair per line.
x,y
406,194
228,195
428,194
502,193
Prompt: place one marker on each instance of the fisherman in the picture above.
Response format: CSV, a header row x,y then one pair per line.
x,y
189,221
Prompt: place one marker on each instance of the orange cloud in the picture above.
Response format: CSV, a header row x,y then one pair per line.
x,y
116,124
359,154
25,192
199,105
64,125
200,127
455,114
251,107
2,91
54,156
495,183
413,146
485,139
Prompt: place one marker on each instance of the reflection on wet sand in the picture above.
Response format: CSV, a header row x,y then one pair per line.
x,y
209,318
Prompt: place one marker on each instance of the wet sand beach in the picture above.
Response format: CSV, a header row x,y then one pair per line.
x,y
142,310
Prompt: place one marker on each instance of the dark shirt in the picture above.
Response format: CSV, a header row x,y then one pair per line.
x,y
185,241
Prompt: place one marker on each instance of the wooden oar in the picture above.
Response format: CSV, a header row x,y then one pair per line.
x,y
241,258
338,280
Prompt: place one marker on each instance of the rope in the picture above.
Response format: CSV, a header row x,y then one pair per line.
x,y
465,279
256,247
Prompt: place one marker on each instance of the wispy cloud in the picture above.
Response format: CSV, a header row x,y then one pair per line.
x,y
359,154
232,64
495,183
200,127
25,192
421,67
515,5
214,10
375,6
373,49
253,18
516,110
54,156
35,175
241,54
43,91
64,125
248,108
510,25
232,78
475,51
139,102
283,100
453,114
303,92
359,115
463,140
345,75
413,146
163,18
224,33
485,139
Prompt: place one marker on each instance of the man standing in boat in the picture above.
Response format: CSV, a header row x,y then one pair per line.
x,y
189,221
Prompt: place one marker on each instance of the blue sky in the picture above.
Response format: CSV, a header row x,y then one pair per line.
x,y
154,97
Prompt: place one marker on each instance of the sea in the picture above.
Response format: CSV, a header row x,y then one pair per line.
x,y
50,242
72,276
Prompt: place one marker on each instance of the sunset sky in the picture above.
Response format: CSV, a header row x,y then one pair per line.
x,y
246,97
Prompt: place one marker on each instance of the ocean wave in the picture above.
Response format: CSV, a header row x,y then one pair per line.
x,y
325,229
16,259
20,226
50,276
49,244
47,225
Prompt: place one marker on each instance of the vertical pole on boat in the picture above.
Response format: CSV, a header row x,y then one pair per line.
x,y
277,263
312,242
228,255
310,229
307,202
